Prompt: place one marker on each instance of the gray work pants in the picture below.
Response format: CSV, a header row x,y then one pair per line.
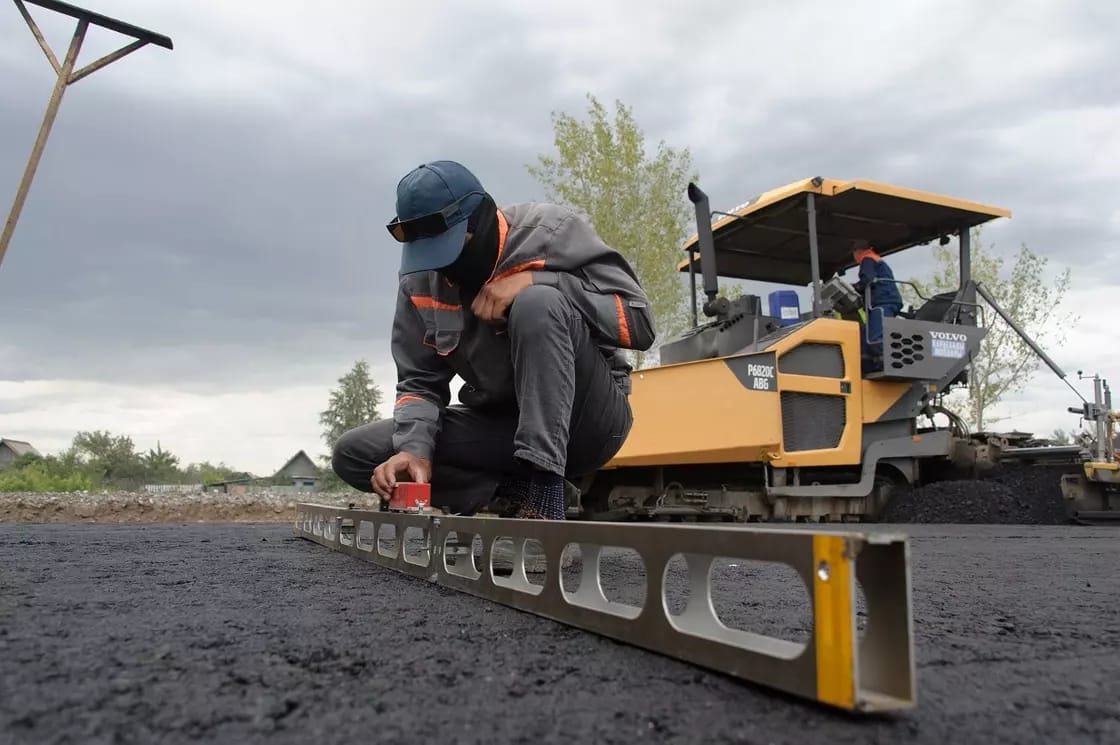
x,y
571,416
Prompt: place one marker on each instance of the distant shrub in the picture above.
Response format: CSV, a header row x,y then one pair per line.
x,y
38,476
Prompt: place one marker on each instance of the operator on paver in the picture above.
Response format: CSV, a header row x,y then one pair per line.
x,y
531,308
886,300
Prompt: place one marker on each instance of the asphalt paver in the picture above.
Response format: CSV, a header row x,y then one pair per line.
x,y
245,633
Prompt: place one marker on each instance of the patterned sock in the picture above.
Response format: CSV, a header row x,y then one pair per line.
x,y
545,500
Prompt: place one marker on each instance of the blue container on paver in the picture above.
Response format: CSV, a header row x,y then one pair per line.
x,y
785,307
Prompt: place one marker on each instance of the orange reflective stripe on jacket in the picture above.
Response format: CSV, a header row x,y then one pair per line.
x,y
503,231
623,325
430,303
867,253
528,265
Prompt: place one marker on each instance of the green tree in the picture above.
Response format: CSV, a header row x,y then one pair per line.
x,y
45,474
729,291
355,401
1005,363
637,202
160,465
112,457
207,473
101,460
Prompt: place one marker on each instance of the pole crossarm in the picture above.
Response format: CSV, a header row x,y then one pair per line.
x,y
142,37
65,76
97,19
38,36
93,67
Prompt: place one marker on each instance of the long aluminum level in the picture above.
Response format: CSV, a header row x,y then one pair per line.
x,y
872,671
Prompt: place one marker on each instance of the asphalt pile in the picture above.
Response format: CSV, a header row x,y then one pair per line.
x,y
1008,496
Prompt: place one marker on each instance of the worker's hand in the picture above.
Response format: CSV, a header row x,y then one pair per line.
x,y
385,475
492,303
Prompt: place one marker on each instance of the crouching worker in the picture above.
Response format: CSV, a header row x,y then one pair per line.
x,y
885,301
530,308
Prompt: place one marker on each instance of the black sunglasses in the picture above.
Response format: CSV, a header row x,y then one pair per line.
x,y
428,225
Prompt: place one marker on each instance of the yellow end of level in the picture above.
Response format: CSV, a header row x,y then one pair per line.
x,y
834,621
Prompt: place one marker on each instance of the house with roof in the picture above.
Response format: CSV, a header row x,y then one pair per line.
x,y
11,450
298,474
237,483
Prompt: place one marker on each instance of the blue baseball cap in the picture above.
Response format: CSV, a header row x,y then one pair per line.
x,y
434,202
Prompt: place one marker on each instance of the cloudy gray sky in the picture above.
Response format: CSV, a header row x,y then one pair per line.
x,y
203,251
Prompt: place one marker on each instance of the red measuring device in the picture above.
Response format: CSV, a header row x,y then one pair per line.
x,y
411,497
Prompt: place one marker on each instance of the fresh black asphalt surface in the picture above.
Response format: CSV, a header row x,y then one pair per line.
x,y
242,634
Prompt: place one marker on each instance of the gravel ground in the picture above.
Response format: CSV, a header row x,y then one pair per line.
x,y
1009,496
243,633
142,507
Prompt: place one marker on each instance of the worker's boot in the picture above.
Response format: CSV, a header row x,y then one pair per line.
x,y
509,496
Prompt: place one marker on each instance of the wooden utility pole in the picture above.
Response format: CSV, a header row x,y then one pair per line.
x,y
67,75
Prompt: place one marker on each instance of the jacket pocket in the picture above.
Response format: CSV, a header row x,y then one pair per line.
x,y
443,329
444,341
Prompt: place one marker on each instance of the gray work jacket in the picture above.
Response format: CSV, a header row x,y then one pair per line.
x,y
435,336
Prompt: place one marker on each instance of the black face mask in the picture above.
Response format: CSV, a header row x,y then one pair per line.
x,y
475,264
